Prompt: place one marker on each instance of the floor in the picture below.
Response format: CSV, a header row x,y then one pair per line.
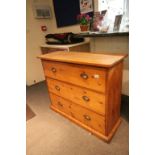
x,y
29,113
48,133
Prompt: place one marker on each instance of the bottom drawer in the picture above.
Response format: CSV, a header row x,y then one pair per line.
x,y
60,104
85,116
89,118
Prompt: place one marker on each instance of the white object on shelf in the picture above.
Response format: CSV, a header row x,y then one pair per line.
x,y
65,46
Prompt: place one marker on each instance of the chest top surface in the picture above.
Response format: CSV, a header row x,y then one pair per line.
x,y
92,59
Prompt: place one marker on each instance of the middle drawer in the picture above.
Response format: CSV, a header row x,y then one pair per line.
x,y
84,97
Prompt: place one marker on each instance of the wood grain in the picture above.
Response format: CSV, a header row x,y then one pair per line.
x,y
75,94
85,116
93,131
61,104
92,103
89,118
71,73
113,96
101,60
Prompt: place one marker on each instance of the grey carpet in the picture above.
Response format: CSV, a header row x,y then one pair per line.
x,y
48,133
29,113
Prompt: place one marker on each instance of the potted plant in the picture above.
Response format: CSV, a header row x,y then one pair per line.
x,y
84,21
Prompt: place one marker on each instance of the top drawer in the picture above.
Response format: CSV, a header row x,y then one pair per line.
x,y
86,76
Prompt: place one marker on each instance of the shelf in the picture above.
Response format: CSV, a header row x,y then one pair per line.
x,y
101,34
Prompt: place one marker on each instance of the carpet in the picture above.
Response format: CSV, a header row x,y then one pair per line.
x,y
29,113
49,133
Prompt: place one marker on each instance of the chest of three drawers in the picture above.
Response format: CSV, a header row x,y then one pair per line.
x,y
86,89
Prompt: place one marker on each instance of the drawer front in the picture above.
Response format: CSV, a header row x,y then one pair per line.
x,y
86,98
61,105
88,117
86,76
81,114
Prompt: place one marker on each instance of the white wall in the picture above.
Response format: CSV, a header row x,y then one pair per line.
x,y
35,37
115,44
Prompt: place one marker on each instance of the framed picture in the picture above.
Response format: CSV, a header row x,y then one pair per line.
x,y
117,22
66,12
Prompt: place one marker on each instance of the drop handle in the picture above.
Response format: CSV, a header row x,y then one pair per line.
x,y
53,69
60,104
87,117
85,98
84,75
57,88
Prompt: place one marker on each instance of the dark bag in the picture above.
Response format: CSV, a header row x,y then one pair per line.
x,y
63,38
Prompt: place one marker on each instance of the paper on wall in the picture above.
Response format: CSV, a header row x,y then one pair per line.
x,y
86,6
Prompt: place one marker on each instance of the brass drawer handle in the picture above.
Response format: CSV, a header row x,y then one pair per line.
x,y
84,75
57,88
60,104
53,69
85,98
87,117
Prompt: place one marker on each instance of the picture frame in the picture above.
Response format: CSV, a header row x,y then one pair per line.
x,y
117,22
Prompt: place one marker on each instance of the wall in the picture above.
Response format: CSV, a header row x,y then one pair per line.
x,y
113,44
117,44
35,37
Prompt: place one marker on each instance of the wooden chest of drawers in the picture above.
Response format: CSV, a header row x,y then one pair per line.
x,y
86,88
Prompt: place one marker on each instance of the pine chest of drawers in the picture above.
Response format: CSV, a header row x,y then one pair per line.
x,y
86,89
